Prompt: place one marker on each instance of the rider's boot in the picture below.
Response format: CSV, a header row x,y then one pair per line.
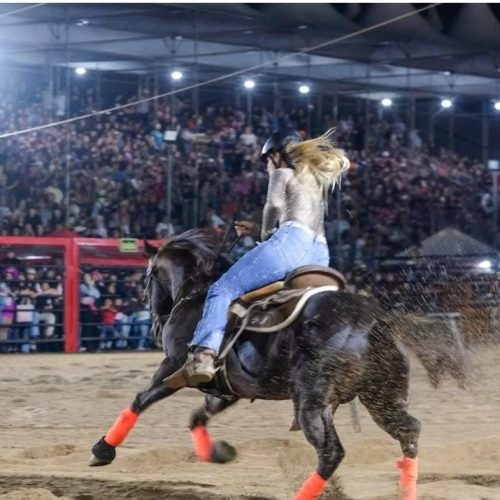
x,y
198,369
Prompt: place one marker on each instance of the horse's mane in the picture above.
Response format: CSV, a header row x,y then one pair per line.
x,y
201,245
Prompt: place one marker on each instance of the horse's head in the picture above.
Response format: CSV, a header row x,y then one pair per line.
x,y
183,263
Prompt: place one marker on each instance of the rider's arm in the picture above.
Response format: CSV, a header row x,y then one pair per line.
x,y
275,201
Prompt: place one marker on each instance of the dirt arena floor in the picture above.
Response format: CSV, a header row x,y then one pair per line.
x,y
54,407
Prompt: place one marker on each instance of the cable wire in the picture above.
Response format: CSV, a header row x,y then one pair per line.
x,y
221,77
22,9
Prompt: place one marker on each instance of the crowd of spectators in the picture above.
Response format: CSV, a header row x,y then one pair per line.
x,y
394,199
115,167
30,307
105,176
112,312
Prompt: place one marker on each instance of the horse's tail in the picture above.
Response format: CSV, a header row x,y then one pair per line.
x,y
438,344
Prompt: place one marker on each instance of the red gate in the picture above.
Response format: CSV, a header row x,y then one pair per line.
x,y
75,251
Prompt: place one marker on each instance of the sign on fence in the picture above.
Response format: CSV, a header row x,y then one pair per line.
x,y
129,245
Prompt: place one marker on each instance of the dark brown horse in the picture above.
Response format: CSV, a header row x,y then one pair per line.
x,y
339,347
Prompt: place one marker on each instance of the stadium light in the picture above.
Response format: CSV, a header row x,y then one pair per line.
x,y
80,71
249,84
387,103
446,103
304,89
485,264
176,75
496,105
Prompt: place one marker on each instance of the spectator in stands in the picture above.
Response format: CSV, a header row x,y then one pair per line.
x,y
26,317
47,301
107,328
164,229
249,139
140,319
123,323
212,220
156,138
89,295
7,309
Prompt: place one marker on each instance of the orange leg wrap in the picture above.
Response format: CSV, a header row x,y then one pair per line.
x,y
122,426
408,477
312,487
202,443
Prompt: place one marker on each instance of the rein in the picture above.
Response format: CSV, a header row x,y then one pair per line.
x,y
179,301
224,241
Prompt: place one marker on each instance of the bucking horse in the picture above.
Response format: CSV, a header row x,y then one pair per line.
x,y
305,338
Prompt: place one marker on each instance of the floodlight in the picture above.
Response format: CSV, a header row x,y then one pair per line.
x,y
176,75
485,264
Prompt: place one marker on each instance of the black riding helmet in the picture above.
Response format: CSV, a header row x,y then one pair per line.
x,y
277,142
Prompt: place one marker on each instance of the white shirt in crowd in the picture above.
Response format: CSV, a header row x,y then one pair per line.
x,y
216,221
165,229
249,139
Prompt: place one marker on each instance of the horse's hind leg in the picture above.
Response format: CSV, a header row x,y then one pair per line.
x,y
318,428
206,450
386,400
392,417
104,451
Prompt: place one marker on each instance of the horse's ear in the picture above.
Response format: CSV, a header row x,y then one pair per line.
x,y
149,250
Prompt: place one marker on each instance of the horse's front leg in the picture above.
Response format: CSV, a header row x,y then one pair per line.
x,y
206,449
104,451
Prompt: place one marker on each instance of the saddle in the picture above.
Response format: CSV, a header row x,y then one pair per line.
x,y
274,304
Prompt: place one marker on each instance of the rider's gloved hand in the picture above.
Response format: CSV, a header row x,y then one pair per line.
x,y
244,227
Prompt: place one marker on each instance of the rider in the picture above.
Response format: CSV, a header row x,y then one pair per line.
x,y
300,175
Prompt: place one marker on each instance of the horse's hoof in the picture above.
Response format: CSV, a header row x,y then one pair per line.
x,y
222,452
96,462
102,453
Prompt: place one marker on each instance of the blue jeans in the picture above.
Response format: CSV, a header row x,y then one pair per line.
x,y
108,335
122,329
30,332
290,247
141,328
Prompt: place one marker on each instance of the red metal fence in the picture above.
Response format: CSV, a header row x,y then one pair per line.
x,y
72,253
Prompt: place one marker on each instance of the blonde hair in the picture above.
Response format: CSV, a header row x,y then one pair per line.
x,y
319,159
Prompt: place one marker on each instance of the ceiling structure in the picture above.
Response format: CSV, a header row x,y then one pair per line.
x,y
451,49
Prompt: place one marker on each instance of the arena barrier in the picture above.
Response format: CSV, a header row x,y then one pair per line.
x,y
66,257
